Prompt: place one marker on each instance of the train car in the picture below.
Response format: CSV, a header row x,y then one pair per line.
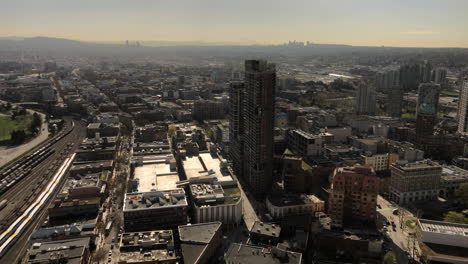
x,y
3,204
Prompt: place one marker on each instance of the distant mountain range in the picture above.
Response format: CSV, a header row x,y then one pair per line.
x,y
172,49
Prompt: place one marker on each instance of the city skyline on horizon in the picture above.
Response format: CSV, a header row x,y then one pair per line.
x,y
399,23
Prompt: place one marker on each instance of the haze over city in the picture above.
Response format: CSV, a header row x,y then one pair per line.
x,y
404,23
233,132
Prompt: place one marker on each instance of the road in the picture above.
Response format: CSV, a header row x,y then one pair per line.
x,y
8,154
22,194
249,214
113,210
401,239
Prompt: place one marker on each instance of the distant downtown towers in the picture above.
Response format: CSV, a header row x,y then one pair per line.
x,y
251,125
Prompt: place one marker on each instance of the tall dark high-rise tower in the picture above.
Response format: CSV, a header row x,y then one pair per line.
x,y
426,108
365,98
252,121
395,96
260,83
236,126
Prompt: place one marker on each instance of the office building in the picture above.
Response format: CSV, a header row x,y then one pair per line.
x,y
258,114
153,172
200,242
395,100
288,204
426,108
440,75
73,251
353,196
207,110
213,191
443,242
355,245
155,210
148,247
387,79
365,98
305,144
297,175
249,254
71,209
451,179
425,72
409,76
463,107
380,162
265,233
416,181
213,202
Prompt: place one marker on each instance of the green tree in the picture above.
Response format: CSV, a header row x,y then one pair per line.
x,y
35,124
171,130
209,133
389,258
454,217
462,193
18,136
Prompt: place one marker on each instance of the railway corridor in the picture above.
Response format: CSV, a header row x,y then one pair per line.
x,y
29,197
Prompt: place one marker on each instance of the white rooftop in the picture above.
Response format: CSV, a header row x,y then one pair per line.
x,y
193,166
156,174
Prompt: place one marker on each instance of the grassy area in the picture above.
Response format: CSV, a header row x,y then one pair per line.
x,y
7,125
5,112
408,115
411,224
448,93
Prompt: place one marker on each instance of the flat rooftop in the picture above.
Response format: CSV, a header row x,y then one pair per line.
x,y
90,165
454,173
340,148
214,194
85,228
304,134
205,164
155,200
443,227
417,165
249,254
77,202
146,239
267,229
159,173
46,251
148,256
370,140
88,180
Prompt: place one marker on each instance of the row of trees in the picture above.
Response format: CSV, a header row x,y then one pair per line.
x,y
454,217
18,136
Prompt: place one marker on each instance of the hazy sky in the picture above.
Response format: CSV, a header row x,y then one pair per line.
x,y
428,23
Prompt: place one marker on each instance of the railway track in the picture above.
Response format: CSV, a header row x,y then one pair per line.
x,y
15,172
22,191
26,192
9,236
